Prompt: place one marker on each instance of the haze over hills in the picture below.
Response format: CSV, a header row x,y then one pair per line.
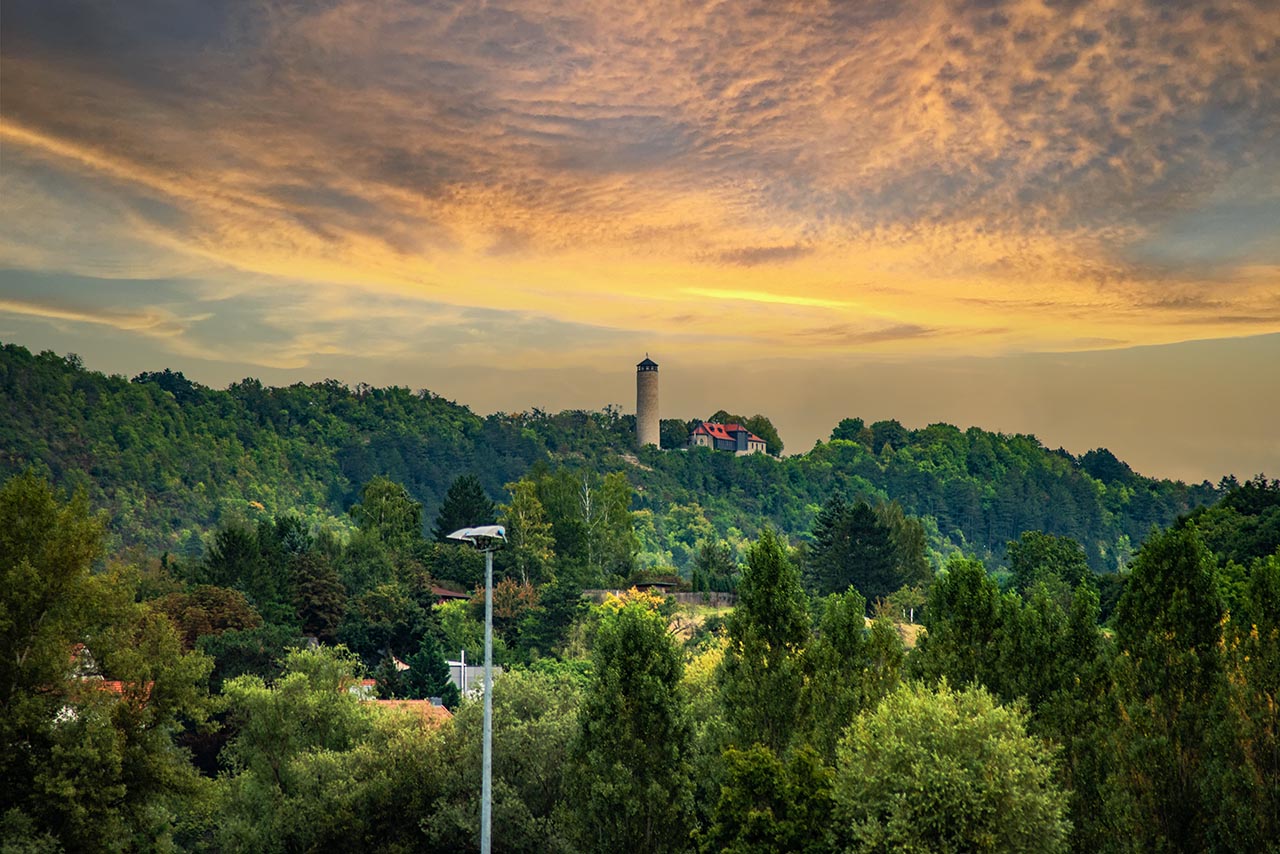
x,y
170,459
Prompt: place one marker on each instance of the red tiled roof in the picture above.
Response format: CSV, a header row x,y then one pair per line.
x,y
133,690
724,431
427,710
445,593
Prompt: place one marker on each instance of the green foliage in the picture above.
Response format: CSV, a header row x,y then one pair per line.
x,y
1037,556
388,513
428,674
256,652
255,561
834,663
1241,785
383,621
529,552
766,805
1245,524
714,568
289,738
761,674
465,506
1170,668
460,630
947,771
535,722
591,524
962,619
543,631
207,610
1166,731
847,669
308,707
94,686
319,598
631,785
674,433
876,550
47,549
169,458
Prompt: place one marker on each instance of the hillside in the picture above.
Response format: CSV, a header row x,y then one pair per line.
x,y
169,459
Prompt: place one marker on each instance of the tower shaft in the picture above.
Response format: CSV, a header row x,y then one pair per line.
x,y
648,427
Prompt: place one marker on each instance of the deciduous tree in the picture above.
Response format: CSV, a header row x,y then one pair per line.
x,y
940,770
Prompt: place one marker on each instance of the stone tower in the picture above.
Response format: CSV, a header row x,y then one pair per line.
x,y
648,431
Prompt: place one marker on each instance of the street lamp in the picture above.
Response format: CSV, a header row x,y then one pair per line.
x,y
488,539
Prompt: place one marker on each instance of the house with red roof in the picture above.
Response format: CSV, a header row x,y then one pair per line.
x,y
726,437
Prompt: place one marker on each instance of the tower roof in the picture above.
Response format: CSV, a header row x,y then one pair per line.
x,y
647,363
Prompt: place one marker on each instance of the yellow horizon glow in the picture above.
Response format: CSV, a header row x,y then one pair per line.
x,y
789,182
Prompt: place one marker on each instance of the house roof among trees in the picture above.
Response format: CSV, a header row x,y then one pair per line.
x,y
724,431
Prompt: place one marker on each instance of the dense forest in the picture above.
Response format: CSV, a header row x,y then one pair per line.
x,y
170,460
218,610
217,704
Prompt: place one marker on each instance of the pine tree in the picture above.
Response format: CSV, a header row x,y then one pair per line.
x,y
465,506
428,674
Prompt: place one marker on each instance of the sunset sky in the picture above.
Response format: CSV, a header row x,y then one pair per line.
x,y
1051,217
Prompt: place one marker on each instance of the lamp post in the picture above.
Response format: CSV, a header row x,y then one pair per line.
x,y
488,539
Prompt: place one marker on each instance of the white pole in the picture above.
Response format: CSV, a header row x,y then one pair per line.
x,y
486,785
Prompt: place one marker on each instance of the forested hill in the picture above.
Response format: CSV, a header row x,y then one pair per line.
x,y
169,459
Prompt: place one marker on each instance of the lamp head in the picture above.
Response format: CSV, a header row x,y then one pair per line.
x,y
485,537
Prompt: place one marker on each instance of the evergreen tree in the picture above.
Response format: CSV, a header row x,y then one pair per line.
x,y
465,506
761,674
631,785
876,550
834,663
320,600
715,566
1168,630
234,560
963,623
428,674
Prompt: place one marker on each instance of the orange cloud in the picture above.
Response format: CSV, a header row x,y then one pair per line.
x,y
904,177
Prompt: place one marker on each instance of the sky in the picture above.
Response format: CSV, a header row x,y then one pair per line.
x,y
1048,217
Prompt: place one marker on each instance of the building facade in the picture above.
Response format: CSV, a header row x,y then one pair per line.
x,y
726,437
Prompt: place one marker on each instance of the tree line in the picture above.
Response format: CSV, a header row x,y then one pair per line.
x,y
170,459
174,702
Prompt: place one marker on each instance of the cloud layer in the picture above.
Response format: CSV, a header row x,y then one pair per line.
x,y
768,177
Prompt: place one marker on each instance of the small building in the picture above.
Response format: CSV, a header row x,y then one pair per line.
x,y
726,437
444,594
